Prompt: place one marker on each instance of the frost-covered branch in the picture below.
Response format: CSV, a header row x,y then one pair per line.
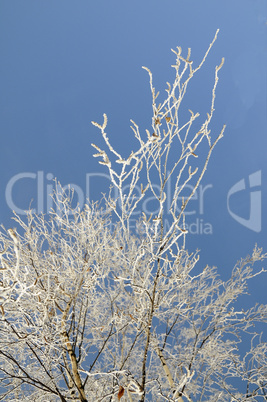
x,y
91,310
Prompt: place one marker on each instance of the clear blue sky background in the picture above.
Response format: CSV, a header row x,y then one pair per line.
x,y
64,63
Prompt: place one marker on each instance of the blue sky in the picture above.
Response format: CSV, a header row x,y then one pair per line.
x,y
65,63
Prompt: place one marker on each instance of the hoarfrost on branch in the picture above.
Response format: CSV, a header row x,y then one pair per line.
x,y
91,310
